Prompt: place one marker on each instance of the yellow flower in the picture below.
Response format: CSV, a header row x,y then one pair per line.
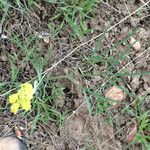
x,y
26,91
27,87
14,108
26,105
13,98
25,95
22,99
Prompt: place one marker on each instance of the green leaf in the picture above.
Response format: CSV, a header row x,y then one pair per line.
x,y
14,71
87,101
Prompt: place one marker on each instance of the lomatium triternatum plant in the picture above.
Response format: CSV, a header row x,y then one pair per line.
x,y
21,99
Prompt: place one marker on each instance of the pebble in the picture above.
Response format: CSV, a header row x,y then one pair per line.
x,y
49,147
116,94
145,86
146,78
143,34
3,58
135,82
136,46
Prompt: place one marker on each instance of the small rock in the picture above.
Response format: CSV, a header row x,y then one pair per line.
x,y
134,21
131,133
140,91
115,94
3,36
143,34
17,132
44,36
50,147
135,82
125,30
3,58
46,40
136,46
146,78
145,85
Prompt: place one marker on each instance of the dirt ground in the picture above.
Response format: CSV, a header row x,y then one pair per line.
x,y
80,130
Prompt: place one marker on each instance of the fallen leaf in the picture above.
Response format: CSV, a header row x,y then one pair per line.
x,y
115,94
135,44
17,132
131,133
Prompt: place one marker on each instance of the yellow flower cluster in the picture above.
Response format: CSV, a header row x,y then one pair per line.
x,y
21,99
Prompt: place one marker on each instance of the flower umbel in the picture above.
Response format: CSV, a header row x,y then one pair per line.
x,y
13,98
27,88
14,108
21,99
26,105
